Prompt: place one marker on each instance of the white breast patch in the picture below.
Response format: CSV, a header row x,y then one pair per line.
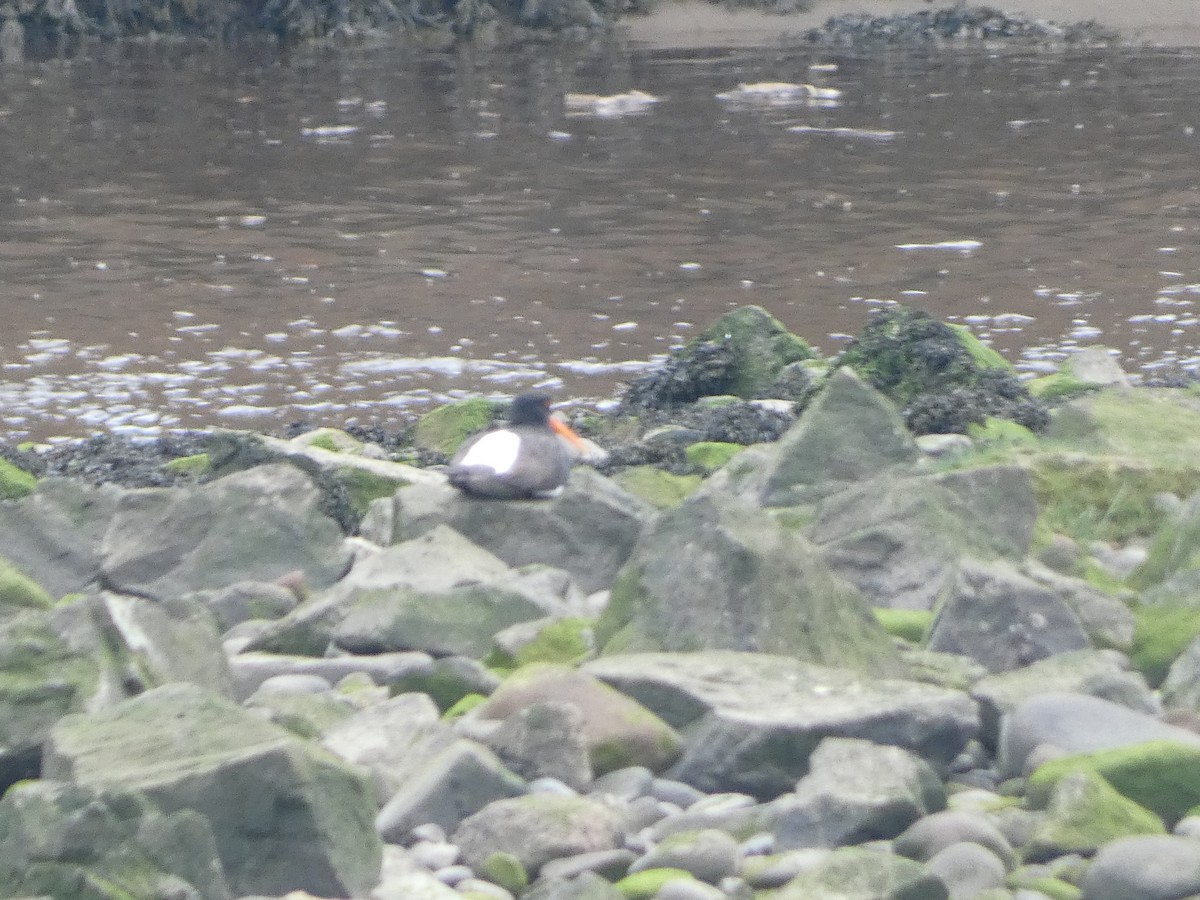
x,y
496,451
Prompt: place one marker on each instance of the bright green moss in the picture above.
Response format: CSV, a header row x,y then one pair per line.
x,y
15,482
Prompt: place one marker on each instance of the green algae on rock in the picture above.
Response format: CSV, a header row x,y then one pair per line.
x,y
1083,813
1162,776
15,482
285,814
444,429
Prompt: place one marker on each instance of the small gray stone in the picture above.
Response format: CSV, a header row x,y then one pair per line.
x,y
967,869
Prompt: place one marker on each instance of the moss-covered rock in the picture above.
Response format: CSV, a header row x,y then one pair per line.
x,y
662,490
64,840
1162,776
910,624
717,574
1085,812
195,465
1060,386
560,641
741,354
17,591
444,429
506,870
940,375
711,455
364,486
1161,633
854,873
15,482
305,715
647,883
285,814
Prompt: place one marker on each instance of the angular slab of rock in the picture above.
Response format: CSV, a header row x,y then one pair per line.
x,y
753,720
56,837
454,784
463,620
850,432
538,828
1003,619
436,561
392,740
856,791
53,535
899,538
589,530
285,814
1075,723
717,573
255,525
93,653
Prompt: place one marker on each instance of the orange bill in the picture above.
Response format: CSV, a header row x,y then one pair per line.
x,y
562,428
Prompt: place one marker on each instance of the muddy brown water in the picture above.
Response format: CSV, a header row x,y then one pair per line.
x,y
220,239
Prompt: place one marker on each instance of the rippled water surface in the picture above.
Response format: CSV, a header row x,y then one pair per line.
x,y
215,239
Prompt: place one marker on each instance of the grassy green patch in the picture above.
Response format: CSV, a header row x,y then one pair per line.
x,y
364,486
446,427
660,489
1098,498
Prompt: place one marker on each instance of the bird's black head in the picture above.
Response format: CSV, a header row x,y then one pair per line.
x,y
532,408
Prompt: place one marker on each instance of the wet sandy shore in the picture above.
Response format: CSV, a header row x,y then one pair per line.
x,y
695,23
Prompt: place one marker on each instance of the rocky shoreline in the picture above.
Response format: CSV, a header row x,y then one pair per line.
x,y
43,27
933,634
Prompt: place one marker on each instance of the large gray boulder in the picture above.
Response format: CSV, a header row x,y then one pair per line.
x,y
751,721
856,791
899,537
90,654
850,432
285,814
588,530
54,534
67,840
1003,619
1074,723
717,573
1099,673
255,525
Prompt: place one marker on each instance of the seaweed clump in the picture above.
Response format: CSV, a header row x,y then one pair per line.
x,y
940,376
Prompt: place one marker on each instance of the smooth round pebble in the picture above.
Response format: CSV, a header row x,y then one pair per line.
x,y
452,875
430,831
1149,868
434,854
294,683
967,869
479,886
675,792
758,844
547,785
685,889
628,783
